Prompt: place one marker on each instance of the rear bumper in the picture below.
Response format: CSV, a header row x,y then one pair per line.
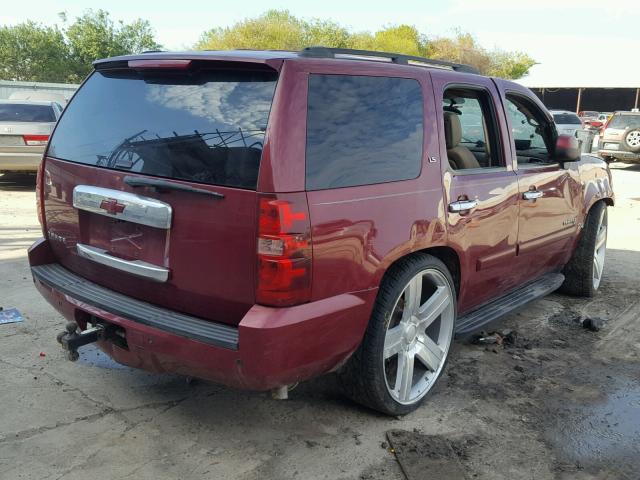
x,y
620,154
270,347
22,159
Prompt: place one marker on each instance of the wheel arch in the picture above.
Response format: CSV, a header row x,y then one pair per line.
x,y
445,254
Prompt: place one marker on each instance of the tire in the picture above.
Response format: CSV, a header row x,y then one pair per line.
x,y
580,272
418,340
631,139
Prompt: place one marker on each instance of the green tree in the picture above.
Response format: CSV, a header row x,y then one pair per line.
x,y
95,35
272,30
395,39
463,48
280,30
33,52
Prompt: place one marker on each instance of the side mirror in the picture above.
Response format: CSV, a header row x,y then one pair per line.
x,y
567,149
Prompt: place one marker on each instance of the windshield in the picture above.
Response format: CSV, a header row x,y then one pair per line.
x,y
566,119
25,112
206,126
624,121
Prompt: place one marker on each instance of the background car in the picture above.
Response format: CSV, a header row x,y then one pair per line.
x,y
621,138
25,127
588,115
567,123
604,116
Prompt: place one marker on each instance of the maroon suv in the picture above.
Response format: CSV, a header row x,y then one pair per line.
x,y
260,218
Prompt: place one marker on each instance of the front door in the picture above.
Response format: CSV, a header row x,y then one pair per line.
x,y
548,219
480,186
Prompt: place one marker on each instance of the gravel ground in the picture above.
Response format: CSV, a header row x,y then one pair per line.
x,y
556,402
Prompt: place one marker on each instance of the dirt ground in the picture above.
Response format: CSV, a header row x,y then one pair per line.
x,y
562,402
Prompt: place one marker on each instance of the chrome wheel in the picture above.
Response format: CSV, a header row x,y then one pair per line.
x,y
600,250
418,336
633,139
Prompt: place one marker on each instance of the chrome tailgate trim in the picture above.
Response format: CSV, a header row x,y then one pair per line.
x,y
134,267
123,206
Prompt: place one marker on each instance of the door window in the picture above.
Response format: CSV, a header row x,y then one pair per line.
x,y
470,128
533,135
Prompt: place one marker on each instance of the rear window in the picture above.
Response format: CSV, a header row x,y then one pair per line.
x,y
206,126
566,119
23,112
624,121
362,130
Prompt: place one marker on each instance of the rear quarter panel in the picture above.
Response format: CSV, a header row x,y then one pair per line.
x,y
359,231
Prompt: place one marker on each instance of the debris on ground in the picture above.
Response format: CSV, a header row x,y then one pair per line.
x,y
418,453
488,339
42,354
500,337
594,324
10,315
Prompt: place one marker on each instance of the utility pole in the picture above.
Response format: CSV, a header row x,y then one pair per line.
x,y
579,100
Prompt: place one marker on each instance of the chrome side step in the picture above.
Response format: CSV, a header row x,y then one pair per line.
x,y
512,301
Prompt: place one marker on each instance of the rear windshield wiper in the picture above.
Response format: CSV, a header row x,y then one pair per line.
x,y
160,185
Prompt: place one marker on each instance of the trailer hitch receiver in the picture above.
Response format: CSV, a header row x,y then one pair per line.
x,y
73,338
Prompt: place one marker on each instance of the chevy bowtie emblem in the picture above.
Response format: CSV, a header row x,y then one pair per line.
x,y
112,206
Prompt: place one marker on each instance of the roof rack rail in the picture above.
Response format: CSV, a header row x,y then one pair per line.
x,y
327,52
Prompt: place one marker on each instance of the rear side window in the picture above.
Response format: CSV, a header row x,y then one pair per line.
x,y
566,119
362,130
206,126
22,112
624,121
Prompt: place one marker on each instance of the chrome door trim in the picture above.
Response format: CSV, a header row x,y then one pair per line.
x,y
462,205
532,194
135,267
131,207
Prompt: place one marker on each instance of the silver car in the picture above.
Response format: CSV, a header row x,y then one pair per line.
x,y
25,127
567,123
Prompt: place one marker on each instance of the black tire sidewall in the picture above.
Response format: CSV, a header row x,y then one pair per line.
x,y
624,139
381,315
579,271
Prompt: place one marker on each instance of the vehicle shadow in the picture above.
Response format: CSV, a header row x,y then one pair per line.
x,y
17,182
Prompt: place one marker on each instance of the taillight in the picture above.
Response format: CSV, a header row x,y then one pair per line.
x,y
284,250
35,139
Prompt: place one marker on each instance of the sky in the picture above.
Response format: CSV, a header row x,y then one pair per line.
x,y
572,40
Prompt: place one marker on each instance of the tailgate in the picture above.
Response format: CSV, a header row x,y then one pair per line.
x,y
149,186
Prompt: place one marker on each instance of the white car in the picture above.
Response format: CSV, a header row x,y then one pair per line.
x,y
567,123
25,127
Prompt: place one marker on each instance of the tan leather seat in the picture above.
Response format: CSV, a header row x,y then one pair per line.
x,y
459,157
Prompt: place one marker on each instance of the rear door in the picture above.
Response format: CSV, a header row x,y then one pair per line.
x,y
150,183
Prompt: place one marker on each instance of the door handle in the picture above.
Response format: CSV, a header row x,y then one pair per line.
x,y
532,194
462,206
